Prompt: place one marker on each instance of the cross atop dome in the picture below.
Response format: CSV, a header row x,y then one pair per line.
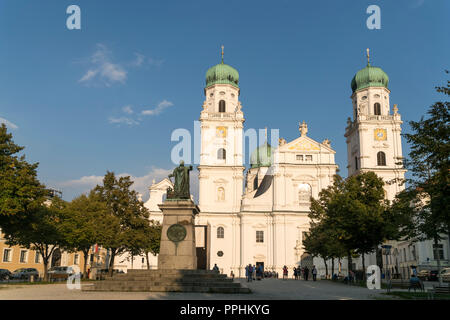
x,y
222,52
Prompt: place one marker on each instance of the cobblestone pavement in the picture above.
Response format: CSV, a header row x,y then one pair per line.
x,y
272,289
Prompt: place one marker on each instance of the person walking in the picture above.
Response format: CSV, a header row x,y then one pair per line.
x,y
248,272
306,273
295,273
314,273
285,273
254,272
232,274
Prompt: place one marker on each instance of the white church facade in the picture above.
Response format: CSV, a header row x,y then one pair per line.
x,y
259,215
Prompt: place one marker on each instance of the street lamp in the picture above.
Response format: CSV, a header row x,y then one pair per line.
x,y
387,251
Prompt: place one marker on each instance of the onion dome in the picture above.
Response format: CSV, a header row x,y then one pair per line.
x,y
262,156
222,74
369,77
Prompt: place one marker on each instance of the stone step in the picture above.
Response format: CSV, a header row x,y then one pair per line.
x,y
143,288
193,279
166,277
166,283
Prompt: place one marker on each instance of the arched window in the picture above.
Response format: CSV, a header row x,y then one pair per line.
x,y
220,233
221,154
377,109
381,158
304,193
222,106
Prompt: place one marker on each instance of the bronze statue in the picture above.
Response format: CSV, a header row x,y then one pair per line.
x,y
181,184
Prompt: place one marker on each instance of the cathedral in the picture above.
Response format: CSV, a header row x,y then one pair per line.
x,y
259,215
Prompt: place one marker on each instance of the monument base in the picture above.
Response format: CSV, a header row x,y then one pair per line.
x,y
177,250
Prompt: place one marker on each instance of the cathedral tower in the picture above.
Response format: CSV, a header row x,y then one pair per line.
x,y
221,160
373,136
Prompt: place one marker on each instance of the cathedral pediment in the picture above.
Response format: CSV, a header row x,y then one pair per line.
x,y
304,144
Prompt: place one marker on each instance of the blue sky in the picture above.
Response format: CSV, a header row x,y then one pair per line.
x,y
108,96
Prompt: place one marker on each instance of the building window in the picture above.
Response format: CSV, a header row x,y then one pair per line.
x,y
220,253
308,157
299,157
222,106
381,158
377,109
23,256
7,255
356,163
221,154
438,249
143,260
259,236
221,194
304,193
220,233
76,259
37,257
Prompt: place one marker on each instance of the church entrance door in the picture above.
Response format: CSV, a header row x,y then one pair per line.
x,y
201,246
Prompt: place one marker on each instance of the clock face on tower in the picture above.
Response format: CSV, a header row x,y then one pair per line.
x,y
221,132
380,134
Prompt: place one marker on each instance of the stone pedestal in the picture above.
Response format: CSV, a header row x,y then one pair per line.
x,y
177,250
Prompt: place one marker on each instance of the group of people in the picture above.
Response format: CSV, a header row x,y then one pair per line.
x,y
253,272
301,272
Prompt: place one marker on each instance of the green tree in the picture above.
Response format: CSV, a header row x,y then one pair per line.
x,y
41,231
125,215
21,193
427,197
145,239
83,220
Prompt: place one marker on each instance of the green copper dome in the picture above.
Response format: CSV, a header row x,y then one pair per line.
x,y
262,156
222,74
369,77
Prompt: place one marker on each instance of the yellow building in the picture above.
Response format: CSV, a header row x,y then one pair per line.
x,y
16,257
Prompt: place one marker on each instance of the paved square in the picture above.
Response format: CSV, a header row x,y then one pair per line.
x,y
267,289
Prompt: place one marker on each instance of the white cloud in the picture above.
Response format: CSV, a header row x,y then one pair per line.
x,y
102,69
128,109
9,124
141,184
123,120
161,106
139,60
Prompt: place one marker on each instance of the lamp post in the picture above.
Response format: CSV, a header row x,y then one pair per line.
x,y
387,251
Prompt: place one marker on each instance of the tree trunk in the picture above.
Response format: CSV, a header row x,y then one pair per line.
x,y
148,262
349,260
326,267
86,256
438,261
45,261
364,267
332,267
111,262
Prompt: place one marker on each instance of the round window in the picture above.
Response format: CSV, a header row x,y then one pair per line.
x,y
220,253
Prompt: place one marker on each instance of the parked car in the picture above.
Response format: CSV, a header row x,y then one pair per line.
x,y
5,274
62,272
25,273
445,274
423,275
433,275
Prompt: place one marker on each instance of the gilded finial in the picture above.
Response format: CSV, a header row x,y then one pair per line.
x,y
222,52
368,56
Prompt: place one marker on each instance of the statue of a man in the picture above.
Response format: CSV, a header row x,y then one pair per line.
x,y
181,184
